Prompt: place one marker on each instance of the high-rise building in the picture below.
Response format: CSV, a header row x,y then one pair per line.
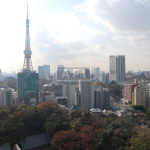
x,y
6,95
101,98
96,71
86,88
127,92
87,74
98,97
28,81
138,96
41,72
146,89
117,68
46,70
69,92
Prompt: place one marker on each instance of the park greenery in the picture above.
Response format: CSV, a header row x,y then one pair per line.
x,y
77,130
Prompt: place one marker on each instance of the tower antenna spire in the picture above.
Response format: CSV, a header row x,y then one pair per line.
x,y
27,9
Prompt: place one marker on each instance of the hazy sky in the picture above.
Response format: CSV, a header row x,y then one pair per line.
x,y
75,32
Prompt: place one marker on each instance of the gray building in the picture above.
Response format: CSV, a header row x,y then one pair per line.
x,y
101,98
87,74
146,89
117,68
46,70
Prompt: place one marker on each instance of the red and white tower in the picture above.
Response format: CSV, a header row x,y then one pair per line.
x,y
27,66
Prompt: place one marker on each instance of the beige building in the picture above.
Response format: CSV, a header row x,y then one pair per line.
x,y
138,96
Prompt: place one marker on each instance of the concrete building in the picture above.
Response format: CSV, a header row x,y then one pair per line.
x,y
87,74
117,68
78,98
69,92
127,92
86,88
96,71
7,95
98,97
121,68
138,96
101,98
46,69
146,89
106,99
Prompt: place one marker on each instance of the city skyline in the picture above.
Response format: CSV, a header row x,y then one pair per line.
x,y
76,33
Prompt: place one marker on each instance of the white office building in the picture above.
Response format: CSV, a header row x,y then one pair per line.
x,y
7,95
86,88
41,72
69,92
117,68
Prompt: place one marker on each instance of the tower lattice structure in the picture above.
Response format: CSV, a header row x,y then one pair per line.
x,y
27,66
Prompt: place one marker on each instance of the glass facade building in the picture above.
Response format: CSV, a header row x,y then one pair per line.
x,y
28,88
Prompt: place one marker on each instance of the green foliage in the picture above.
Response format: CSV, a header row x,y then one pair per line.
x,y
127,131
139,107
115,89
108,121
147,114
113,82
3,114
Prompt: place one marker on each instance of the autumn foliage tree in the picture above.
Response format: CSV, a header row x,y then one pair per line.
x,y
45,109
66,140
88,139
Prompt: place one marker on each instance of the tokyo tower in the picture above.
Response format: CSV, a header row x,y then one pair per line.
x,y
27,66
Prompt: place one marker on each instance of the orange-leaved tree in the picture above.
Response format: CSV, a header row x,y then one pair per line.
x,y
66,140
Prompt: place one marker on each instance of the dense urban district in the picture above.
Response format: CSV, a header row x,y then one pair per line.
x,y
74,108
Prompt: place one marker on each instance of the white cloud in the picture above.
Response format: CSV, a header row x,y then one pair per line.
x,y
119,15
133,39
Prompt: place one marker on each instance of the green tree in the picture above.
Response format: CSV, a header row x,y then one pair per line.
x,y
76,124
139,107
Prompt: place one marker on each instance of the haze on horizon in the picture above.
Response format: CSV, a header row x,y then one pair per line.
x,y
80,32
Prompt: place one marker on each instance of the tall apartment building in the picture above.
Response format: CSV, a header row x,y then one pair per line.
x,y
86,88
117,68
106,98
98,97
146,89
69,92
102,98
87,74
138,96
127,92
7,95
